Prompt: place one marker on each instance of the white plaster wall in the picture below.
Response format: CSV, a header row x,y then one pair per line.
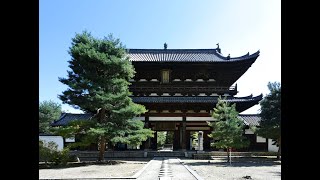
x,y
57,139
272,148
248,131
142,118
200,119
70,139
261,139
165,118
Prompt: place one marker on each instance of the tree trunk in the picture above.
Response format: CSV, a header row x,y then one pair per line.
x,y
228,156
279,150
102,148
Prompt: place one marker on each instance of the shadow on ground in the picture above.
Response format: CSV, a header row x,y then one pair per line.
x,y
113,161
235,163
79,164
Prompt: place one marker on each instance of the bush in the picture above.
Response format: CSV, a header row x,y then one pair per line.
x,y
61,157
48,152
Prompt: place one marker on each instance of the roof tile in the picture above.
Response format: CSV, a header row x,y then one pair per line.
x,y
183,55
65,118
250,119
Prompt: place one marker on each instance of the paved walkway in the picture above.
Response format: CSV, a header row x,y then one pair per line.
x,y
167,169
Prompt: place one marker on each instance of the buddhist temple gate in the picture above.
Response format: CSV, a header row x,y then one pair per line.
x,y
180,88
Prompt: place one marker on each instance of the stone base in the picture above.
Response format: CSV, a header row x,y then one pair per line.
x,y
145,154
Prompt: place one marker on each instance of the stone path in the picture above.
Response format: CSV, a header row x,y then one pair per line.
x,y
167,168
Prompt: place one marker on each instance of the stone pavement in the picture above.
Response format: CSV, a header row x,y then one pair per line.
x,y
167,168
159,168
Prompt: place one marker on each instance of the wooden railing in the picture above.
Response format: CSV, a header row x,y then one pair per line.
x,y
182,89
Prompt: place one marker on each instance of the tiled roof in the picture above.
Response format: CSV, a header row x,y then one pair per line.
x,y
250,119
65,118
183,55
191,99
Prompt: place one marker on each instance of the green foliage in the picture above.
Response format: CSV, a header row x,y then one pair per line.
x,y
61,157
48,152
80,128
270,124
169,137
136,133
98,83
164,137
99,76
161,138
48,112
228,128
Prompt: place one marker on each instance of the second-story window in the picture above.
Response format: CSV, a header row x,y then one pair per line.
x,y
165,76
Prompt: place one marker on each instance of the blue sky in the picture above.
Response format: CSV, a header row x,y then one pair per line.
x,y
239,26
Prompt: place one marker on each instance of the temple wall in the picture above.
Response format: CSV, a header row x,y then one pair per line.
x,y
272,148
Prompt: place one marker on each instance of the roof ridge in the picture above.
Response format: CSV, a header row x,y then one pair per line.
x,y
242,97
128,49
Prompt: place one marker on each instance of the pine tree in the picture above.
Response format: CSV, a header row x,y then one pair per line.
x,y
98,83
270,124
48,112
228,129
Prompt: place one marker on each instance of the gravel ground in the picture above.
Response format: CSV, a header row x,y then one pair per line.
x,y
220,170
126,169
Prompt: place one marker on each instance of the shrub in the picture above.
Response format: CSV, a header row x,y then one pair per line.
x,y
48,152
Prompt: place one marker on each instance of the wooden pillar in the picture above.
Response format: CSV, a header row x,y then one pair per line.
x,y
176,140
183,137
206,140
155,139
147,125
188,140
